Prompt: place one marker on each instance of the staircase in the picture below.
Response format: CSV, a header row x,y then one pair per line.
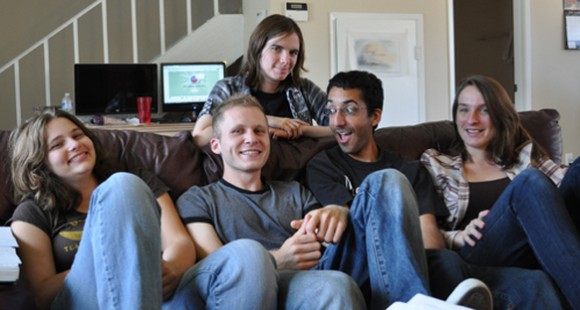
x,y
118,32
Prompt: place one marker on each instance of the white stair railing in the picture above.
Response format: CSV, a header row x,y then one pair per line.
x,y
44,43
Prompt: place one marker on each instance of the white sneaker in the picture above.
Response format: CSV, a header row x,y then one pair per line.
x,y
472,293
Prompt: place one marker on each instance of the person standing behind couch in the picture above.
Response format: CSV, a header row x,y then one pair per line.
x,y
90,239
500,189
271,72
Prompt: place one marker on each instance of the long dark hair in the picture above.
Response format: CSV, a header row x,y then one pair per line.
x,y
31,177
510,135
271,27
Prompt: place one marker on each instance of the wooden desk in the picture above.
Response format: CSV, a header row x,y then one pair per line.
x,y
166,129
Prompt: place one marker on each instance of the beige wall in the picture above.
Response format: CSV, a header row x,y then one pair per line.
x,y
316,33
554,71
27,22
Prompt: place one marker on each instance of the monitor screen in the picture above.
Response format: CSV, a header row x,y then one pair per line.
x,y
186,86
113,88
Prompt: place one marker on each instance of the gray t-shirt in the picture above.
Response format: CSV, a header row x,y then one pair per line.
x,y
235,213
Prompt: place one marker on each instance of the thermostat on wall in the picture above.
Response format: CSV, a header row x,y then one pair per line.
x,y
298,11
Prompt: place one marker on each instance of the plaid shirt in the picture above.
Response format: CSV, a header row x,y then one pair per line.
x,y
306,102
450,182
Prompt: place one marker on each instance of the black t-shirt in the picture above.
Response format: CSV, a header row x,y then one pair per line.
x,y
334,177
65,229
482,196
275,104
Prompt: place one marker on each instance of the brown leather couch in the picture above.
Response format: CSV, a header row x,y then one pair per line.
x,y
178,162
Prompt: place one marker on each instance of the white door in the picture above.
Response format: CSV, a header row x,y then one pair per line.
x,y
390,46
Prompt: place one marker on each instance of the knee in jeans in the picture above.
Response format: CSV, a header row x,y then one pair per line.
x,y
253,251
125,180
392,175
535,178
341,285
249,246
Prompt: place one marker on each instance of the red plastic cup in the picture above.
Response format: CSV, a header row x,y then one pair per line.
x,y
144,109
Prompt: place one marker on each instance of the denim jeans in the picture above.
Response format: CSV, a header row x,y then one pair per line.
x,y
511,287
381,247
529,225
570,190
240,275
118,263
318,289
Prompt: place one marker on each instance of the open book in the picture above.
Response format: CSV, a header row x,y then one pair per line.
x,y
9,260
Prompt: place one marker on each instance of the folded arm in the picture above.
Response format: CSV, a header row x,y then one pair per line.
x,y
202,130
35,251
177,246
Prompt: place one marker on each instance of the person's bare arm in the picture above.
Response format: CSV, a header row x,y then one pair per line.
x,y
205,239
432,237
177,246
316,131
202,130
35,251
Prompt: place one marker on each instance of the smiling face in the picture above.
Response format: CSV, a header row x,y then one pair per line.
x,y
71,154
277,60
244,142
351,124
473,120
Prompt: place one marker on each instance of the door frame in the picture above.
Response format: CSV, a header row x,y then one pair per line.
x,y
522,54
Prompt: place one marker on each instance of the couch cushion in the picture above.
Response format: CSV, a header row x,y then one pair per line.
x,y
175,160
7,204
411,141
544,126
288,158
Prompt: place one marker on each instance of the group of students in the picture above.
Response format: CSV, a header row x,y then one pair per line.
x,y
368,228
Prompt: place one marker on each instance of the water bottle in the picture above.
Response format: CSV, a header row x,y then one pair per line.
x,y
66,103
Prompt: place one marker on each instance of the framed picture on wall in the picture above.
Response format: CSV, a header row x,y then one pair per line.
x,y
383,53
389,46
572,24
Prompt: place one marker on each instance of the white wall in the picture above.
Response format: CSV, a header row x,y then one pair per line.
x,y
555,71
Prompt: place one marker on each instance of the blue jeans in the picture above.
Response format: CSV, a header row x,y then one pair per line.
x,y
318,289
382,247
118,263
239,275
570,190
530,226
511,287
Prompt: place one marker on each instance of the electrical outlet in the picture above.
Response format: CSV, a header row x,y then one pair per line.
x,y
568,158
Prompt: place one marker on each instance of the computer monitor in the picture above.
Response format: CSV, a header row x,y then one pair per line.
x,y
102,89
186,86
